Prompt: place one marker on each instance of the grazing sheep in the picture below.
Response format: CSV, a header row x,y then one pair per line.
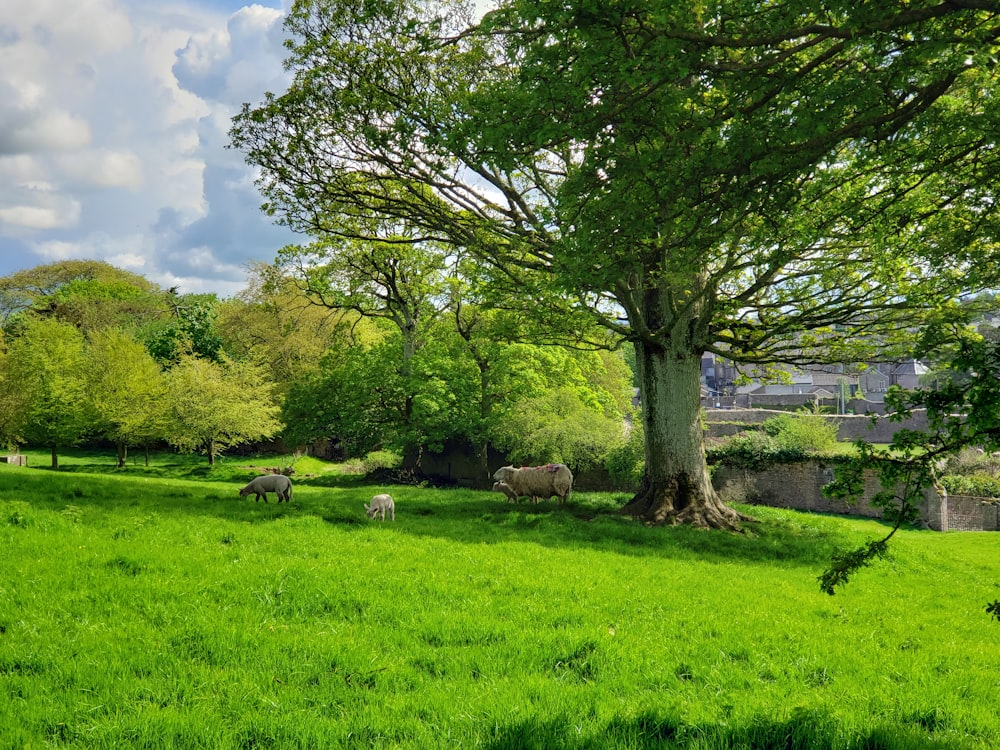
x,y
536,481
505,489
381,504
260,486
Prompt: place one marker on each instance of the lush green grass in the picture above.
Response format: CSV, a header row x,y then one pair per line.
x,y
154,608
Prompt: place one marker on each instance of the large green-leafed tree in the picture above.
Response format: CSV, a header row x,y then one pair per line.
x,y
797,182
273,323
383,278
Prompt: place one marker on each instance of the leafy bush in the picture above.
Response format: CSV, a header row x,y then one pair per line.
x,y
809,433
754,450
976,485
383,459
972,461
625,462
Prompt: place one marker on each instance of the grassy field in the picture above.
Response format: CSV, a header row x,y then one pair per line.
x,y
153,608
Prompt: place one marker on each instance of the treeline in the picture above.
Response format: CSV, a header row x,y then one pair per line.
x,y
92,352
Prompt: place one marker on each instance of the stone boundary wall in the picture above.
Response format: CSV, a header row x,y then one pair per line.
x,y
850,427
799,486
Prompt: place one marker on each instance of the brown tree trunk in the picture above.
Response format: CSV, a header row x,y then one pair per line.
x,y
55,457
676,487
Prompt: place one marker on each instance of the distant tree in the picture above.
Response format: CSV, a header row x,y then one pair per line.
x,y
273,322
126,388
381,277
46,362
13,401
215,405
539,402
87,293
189,328
357,398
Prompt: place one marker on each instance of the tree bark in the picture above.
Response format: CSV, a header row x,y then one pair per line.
x,y
676,486
55,456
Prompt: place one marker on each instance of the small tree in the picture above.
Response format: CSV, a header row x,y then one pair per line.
x,y
127,390
215,405
46,362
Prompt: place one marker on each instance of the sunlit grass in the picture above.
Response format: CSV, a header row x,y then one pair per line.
x,y
156,608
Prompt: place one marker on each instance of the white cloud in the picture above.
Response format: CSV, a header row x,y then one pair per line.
x,y
114,119
103,168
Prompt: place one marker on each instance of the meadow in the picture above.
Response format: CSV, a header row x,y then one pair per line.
x,y
151,607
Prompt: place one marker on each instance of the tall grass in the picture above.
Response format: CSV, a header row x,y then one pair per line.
x,y
153,608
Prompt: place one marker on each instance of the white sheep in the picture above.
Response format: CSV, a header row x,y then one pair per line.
x,y
381,504
260,486
535,481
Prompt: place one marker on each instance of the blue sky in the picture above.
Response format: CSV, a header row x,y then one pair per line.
x,y
113,126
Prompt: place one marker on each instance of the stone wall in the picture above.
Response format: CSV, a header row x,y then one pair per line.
x,y
799,486
850,427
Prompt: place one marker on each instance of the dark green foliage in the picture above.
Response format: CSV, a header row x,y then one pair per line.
x,y
754,450
962,411
189,330
847,562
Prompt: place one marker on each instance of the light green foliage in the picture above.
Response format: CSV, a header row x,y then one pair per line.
x,y
273,323
126,389
87,293
780,439
809,433
557,404
216,405
160,610
45,365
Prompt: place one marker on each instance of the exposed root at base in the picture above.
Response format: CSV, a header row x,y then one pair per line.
x,y
701,516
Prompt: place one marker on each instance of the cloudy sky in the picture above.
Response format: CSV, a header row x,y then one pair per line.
x,y
113,129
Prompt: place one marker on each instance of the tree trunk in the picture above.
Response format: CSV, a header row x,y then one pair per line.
x,y
55,456
122,455
211,453
676,487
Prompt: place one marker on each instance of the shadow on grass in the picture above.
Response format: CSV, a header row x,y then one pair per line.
x,y
589,520
805,730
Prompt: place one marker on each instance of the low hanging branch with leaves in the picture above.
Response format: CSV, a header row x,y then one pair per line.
x,y
962,411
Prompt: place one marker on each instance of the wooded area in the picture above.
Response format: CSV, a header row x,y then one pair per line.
x,y
93,352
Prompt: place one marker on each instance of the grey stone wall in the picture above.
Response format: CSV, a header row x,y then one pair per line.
x,y
850,427
799,486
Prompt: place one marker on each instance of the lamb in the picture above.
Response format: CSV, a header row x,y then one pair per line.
x,y
260,486
381,504
505,489
536,481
